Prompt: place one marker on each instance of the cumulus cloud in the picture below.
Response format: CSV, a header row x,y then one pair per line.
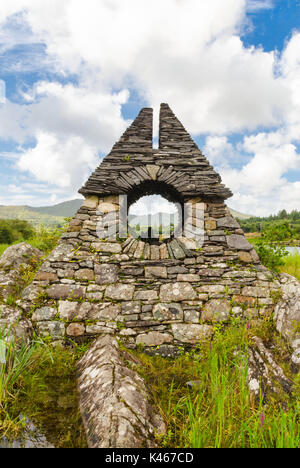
x,y
261,185
219,150
188,53
70,126
152,204
257,5
57,160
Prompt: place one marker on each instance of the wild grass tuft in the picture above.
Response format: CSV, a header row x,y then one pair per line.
x,y
292,265
38,382
219,411
15,359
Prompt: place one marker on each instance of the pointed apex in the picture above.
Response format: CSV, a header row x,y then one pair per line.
x,y
139,134
172,134
178,163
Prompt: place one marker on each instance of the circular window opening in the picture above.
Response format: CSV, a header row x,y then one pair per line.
x,y
153,218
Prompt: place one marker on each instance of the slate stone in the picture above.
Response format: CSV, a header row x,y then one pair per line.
x,y
146,295
106,273
216,310
228,222
131,307
54,329
85,274
122,292
61,291
191,333
154,338
156,272
234,241
167,312
75,329
177,292
43,314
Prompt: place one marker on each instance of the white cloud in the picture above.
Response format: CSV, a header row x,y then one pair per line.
x,y
219,150
257,5
152,204
261,187
57,161
70,125
185,52
94,115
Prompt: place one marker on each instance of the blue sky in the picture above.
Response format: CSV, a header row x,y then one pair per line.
x,y
230,71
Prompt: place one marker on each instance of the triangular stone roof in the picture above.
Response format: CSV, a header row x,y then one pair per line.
x,y
177,166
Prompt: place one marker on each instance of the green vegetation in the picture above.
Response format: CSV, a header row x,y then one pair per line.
x,y
45,239
292,265
270,247
38,382
218,411
257,224
15,231
14,361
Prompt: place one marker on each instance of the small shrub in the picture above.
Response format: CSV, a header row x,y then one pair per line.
x,y
269,247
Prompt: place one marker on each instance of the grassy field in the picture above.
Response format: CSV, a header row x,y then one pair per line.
x,y
292,265
219,412
39,382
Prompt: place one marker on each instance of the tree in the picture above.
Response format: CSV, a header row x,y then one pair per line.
x,y
282,214
5,235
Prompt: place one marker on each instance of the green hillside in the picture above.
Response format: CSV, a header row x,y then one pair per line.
x,y
55,215
48,215
65,209
238,215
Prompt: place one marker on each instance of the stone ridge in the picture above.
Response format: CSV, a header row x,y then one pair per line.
x,y
115,404
181,165
172,134
139,133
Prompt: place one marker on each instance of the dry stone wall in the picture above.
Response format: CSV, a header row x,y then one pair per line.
x,y
159,298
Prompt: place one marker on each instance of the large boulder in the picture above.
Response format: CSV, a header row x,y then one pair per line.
x,y
18,254
13,327
115,405
10,261
287,316
287,310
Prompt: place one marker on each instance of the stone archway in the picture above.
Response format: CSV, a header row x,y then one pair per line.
x,y
169,194
165,295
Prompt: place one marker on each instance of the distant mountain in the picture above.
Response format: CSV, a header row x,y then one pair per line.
x,y
47,215
166,218
65,209
55,215
156,219
236,214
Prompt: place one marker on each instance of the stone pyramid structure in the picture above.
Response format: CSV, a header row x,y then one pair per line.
x,y
161,295
178,162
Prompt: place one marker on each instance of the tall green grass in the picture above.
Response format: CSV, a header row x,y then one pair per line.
x,y
15,359
3,247
219,412
292,265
